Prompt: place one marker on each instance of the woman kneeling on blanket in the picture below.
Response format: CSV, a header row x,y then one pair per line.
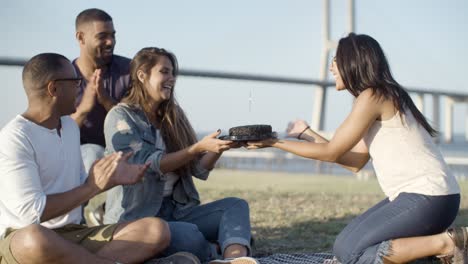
x,y
423,196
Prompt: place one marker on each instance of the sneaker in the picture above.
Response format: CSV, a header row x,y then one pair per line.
x,y
240,260
176,258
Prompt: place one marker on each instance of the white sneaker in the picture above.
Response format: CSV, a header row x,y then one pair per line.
x,y
240,260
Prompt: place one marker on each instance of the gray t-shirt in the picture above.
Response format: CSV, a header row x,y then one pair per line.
x,y
116,83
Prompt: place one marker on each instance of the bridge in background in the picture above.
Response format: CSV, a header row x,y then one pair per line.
x,y
439,99
318,112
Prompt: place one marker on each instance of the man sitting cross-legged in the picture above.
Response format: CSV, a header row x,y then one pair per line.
x,y
43,182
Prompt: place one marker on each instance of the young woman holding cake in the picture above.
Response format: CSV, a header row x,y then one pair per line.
x,y
384,124
150,123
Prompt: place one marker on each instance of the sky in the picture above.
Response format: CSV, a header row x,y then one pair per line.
x,y
425,42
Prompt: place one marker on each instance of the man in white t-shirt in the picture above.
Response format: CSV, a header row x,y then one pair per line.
x,y
43,183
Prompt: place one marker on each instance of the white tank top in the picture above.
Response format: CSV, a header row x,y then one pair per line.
x,y
405,158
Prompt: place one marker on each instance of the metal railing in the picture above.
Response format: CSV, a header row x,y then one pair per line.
x,y
277,160
450,97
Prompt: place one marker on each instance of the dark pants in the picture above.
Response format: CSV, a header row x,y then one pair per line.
x,y
367,238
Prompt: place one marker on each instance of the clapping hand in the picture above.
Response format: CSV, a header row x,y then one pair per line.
x,y
114,170
89,94
98,83
126,173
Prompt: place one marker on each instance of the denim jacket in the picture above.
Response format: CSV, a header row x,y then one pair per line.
x,y
126,128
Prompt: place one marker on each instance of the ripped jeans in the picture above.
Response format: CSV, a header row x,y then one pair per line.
x,y
367,239
223,222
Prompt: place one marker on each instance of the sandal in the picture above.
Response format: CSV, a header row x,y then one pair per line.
x,y
459,237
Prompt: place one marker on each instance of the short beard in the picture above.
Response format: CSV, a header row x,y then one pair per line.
x,y
101,62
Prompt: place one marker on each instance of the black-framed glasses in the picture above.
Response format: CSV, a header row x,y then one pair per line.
x,y
76,80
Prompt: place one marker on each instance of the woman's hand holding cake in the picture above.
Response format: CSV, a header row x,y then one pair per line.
x,y
211,143
269,142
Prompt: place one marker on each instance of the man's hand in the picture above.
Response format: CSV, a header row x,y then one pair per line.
x,y
126,173
114,170
103,97
105,173
89,95
87,101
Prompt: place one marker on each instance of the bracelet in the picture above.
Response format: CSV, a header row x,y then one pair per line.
x,y
300,134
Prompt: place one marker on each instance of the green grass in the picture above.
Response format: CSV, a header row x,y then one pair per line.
x,y
298,212
293,213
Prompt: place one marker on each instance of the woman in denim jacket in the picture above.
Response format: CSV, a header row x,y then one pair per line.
x,y
150,123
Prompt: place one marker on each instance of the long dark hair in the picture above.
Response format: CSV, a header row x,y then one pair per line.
x,y
176,130
362,65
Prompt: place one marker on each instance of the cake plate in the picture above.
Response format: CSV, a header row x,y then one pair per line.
x,y
249,138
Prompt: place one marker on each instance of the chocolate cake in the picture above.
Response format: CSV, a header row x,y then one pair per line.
x,y
250,132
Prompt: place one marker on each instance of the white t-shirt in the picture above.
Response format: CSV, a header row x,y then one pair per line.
x,y
34,162
406,159
170,178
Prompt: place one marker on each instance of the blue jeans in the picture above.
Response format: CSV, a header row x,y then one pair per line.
x,y
223,222
368,237
90,153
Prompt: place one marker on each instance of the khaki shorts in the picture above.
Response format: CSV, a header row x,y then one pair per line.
x,y
91,238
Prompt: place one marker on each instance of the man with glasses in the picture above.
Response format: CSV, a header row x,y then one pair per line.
x,y
43,182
